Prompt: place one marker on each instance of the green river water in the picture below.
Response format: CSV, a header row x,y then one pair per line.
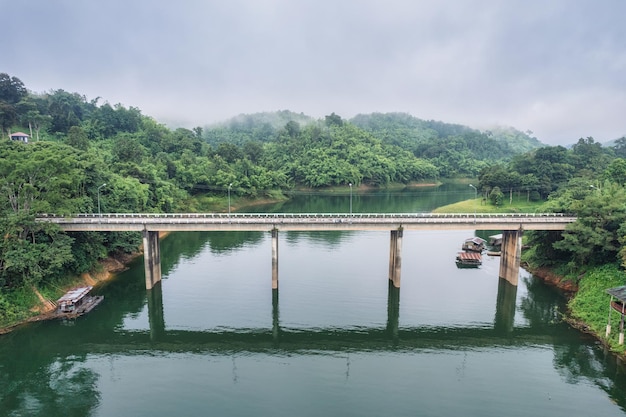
x,y
335,340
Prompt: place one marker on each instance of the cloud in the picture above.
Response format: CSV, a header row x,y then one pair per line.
x,y
556,67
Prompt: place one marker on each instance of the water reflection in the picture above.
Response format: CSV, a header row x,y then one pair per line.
x,y
43,367
505,306
543,305
393,312
326,239
155,312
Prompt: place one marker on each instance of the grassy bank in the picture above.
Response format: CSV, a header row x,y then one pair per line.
x,y
219,204
517,205
590,305
17,306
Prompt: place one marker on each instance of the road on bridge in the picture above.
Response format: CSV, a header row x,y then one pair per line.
x,y
308,221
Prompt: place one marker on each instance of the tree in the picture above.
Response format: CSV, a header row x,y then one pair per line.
x,y
8,117
77,138
496,196
66,110
12,90
40,178
616,171
333,120
229,152
128,149
620,147
31,251
595,237
293,128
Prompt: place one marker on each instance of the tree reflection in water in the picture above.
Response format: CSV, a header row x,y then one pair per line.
x,y
573,360
34,383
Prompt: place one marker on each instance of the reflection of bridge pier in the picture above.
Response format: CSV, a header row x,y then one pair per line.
x,y
505,306
155,312
503,322
156,317
393,311
275,317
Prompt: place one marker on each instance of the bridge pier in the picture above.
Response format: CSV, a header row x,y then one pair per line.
x,y
395,257
274,259
510,256
151,258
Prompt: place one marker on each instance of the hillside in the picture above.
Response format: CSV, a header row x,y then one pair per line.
x,y
421,136
455,149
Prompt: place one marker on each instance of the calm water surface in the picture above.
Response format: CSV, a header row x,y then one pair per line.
x,y
335,340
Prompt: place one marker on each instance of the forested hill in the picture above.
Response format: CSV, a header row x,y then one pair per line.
x,y
454,149
261,127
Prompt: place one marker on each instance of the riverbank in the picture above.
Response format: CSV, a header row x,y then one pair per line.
x,y
588,302
568,287
107,269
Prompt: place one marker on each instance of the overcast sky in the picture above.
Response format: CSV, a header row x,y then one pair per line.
x,y
555,67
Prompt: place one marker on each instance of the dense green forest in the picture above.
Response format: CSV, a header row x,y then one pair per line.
x,y
87,155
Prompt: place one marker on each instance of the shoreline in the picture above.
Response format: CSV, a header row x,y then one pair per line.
x,y
106,271
569,289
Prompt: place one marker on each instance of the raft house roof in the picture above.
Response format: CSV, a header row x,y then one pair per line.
x,y
477,240
74,295
618,292
466,256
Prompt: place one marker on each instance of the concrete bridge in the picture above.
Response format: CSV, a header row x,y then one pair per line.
x,y
511,224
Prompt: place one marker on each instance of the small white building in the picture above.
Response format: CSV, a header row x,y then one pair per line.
x,y
19,137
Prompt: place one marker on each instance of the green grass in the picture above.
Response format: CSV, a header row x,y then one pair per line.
x,y
16,305
519,205
591,302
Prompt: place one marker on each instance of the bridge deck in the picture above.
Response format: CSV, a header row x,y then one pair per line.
x,y
308,221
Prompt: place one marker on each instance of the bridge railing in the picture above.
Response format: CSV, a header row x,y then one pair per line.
x,y
300,215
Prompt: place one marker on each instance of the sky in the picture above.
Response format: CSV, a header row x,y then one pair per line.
x,y
556,68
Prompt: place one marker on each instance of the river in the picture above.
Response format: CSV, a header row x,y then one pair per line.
x,y
334,340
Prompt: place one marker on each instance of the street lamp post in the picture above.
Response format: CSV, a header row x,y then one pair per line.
x,y
229,185
475,198
99,213
350,198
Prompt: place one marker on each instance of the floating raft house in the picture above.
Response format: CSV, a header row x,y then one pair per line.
x,y
468,260
475,244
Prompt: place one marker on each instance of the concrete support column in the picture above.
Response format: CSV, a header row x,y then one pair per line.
x,y
511,255
395,257
151,258
274,259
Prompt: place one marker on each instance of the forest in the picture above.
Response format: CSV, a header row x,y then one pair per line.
x,y
85,156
